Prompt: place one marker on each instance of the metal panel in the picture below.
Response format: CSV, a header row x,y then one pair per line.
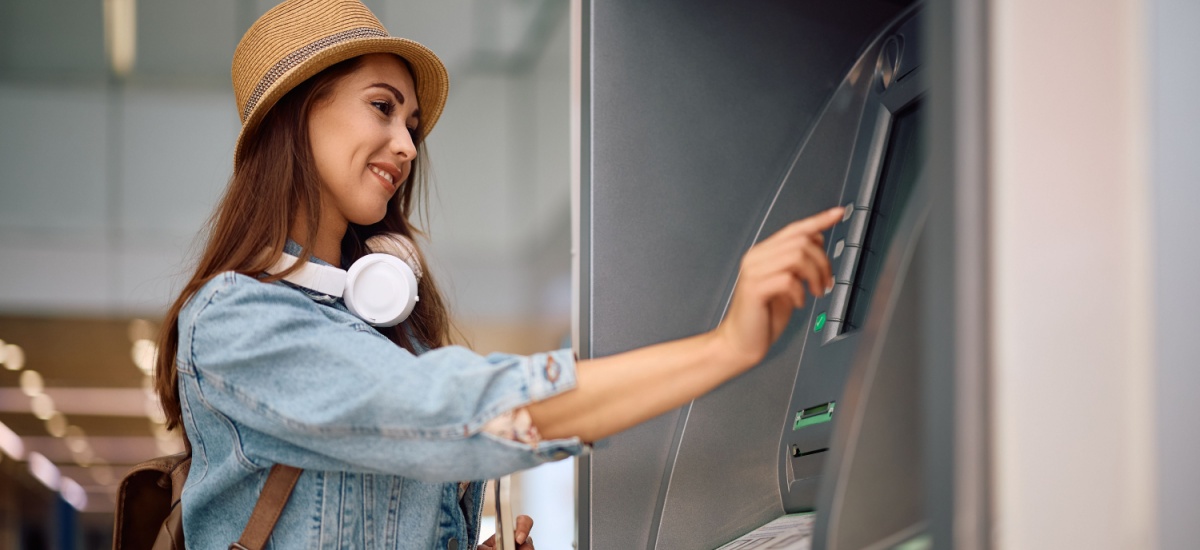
x,y
955,372
872,492
1176,169
729,444
696,112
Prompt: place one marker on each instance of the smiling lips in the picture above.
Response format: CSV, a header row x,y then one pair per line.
x,y
389,175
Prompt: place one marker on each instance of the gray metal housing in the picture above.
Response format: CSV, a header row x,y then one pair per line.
x,y
706,126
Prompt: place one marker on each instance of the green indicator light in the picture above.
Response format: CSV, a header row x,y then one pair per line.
x,y
820,323
814,415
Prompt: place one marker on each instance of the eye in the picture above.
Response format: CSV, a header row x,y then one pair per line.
x,y
384,106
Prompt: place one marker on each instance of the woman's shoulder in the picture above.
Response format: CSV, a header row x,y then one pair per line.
x,y
247,295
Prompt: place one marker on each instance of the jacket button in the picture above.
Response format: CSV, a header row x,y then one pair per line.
x,y
453,545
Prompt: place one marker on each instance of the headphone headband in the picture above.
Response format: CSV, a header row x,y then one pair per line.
x,y
325,279
379,288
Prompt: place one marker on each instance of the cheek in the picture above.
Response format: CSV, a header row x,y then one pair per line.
x,y
332,153
337,187
323,146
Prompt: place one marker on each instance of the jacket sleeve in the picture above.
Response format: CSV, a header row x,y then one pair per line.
x,y
303,388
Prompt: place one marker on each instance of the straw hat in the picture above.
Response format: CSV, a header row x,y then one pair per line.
x,y
299,38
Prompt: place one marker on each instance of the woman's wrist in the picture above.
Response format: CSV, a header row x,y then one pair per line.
x,y
724,350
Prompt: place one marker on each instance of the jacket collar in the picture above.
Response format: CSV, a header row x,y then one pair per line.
x,y
293,248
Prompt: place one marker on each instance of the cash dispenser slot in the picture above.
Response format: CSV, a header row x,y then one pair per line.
x,y
807,466
797,453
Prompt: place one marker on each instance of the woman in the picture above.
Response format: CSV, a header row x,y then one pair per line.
x,y
387,421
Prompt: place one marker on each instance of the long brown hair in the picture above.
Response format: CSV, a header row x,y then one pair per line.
x,y
275,182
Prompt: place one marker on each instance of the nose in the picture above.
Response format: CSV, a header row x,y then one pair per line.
x,y
403,145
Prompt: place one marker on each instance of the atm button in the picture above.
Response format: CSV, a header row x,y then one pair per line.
x,y
849,211
858,227
838,247
847,263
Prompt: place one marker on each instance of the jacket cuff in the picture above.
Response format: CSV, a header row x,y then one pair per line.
x,y
550,374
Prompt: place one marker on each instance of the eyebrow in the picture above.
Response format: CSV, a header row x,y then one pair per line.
x,y
399,96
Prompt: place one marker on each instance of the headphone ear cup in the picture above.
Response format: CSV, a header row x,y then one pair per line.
x,y
399,246
381,289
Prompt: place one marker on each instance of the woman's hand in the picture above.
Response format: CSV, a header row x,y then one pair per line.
x,y
771,285
520,534
616,392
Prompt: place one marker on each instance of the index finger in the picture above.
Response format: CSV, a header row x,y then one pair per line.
x,y
819,222
521,530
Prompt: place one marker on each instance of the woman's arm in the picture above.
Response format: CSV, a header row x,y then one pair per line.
x,y
271,376
619,391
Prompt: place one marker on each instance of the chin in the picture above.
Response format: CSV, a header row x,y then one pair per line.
x,y
369,218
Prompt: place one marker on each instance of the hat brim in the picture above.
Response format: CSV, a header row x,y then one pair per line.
x,y
429,74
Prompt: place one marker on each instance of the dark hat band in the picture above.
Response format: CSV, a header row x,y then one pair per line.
x,y
297,57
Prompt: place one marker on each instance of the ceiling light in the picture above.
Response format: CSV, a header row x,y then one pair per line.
x,y
76,439
120,34
11,443
161,432
73,493
154,412
56,425
44,470
42,405
144,353
170,447
141,329
148,387
102,473
85,457
14,357
31,383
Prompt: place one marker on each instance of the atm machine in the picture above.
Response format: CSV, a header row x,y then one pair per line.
x,y
708,126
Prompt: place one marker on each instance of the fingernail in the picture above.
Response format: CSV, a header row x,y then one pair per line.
x,y
828,290
520,538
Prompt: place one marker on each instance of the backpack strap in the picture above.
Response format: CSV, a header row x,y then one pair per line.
x,y
170,534
267,510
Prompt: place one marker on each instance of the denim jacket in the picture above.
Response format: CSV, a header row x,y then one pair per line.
x,y
271,373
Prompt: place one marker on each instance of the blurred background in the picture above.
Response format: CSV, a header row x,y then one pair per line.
x,y
117,126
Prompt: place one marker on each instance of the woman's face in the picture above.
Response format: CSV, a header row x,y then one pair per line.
x,y
362,139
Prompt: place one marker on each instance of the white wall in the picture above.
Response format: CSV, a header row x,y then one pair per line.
x,y
1072,356
102,190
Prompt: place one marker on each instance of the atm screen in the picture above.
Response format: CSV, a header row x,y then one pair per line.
x,y
901,168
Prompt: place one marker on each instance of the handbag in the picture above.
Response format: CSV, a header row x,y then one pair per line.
x,y
149,515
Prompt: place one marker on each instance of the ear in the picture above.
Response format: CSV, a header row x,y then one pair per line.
x,y
399,246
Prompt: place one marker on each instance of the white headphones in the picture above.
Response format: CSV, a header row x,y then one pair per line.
x,y
380,288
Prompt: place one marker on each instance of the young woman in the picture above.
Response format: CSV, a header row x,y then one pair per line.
x,y
387,422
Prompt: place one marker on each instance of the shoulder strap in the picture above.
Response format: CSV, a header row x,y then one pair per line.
x,y
274,497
